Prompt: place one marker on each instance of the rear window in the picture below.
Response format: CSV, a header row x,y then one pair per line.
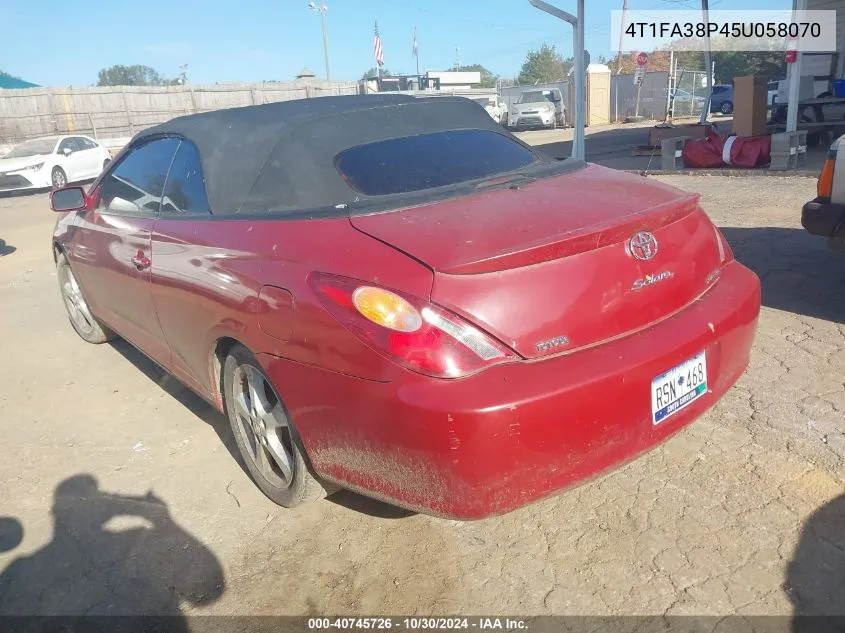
x,y
414,163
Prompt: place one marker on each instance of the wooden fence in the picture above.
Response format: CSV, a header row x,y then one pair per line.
x,y
122,111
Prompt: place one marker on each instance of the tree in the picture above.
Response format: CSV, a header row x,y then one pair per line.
x,y
544,66
373,72
767,61
137,75
488,79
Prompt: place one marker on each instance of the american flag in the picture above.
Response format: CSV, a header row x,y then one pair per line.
x,y
378,53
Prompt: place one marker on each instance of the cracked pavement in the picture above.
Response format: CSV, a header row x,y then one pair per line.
x,y
743,512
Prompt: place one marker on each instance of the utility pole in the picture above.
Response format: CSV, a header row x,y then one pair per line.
x,y
580,75
708,64
621,37
457,57
322,9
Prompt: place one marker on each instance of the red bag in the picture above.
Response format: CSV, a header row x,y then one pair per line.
x,y
734,151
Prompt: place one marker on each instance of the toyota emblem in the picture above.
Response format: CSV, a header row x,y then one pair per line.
x,y
643,246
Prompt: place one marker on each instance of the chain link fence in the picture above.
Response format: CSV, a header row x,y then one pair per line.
x,y
689,94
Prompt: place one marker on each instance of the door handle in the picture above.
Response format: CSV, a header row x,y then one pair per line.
x,y
141,261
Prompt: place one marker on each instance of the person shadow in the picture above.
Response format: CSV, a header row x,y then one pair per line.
x,y
6,249
815,577
111,554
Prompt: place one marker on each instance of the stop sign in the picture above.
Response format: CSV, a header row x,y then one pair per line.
x,y
642,59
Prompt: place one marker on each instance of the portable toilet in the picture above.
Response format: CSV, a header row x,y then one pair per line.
x,y
597,94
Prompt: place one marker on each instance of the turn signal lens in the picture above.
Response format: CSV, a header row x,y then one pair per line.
x,y
410,331
824,188
387,309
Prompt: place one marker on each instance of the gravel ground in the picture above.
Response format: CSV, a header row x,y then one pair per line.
x,y
743,512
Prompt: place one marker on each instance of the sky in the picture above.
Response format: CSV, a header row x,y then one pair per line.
x,y
257,40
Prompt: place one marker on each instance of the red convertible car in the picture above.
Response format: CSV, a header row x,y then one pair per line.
x,y
397,296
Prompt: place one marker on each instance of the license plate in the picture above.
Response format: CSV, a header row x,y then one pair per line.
x,y
678,387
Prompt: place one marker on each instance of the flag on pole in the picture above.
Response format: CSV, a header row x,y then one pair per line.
x,y
378,53
416,52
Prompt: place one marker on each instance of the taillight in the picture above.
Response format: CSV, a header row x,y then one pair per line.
x,y
824,188
408,330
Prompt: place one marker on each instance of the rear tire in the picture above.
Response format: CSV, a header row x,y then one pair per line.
x,y
726,108
79,314
267,440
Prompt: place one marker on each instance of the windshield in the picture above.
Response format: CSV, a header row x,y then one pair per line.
x,y
426,161
535,96
33,148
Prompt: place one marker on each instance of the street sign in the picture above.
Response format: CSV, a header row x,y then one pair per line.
x,y
639,73
642,60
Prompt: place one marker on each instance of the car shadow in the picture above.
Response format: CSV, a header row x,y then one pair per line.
x,y
6,249
24,193
182,394
111,554
798,272
369,506
815,577
220,423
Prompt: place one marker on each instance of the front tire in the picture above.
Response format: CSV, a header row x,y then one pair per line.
x,y
268,443
78,312
58,177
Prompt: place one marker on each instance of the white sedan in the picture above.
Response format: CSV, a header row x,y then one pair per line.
x,y
52,161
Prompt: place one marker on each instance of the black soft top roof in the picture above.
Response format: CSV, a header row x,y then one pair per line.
x,y
280,156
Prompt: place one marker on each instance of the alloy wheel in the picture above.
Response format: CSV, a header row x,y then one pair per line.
x,y
77,309
263,425
59,179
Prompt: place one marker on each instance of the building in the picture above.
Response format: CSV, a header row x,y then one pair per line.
x,y
454,80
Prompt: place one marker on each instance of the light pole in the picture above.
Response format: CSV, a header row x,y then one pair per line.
x,y
577,22
322,9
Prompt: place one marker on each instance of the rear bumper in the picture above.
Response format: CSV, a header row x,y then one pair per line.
x,y
512,434
824,219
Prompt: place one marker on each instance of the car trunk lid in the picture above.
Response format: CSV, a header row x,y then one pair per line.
x,y
548,266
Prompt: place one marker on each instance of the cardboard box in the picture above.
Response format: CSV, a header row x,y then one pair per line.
x,y
750,95
657,135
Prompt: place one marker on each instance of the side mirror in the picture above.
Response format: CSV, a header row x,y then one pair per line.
x,y
67,151
68,199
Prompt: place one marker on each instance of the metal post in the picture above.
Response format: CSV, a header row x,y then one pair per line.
x,y
669,86
708,61
323,9
616,101
579,75
794,74
621,37
639,90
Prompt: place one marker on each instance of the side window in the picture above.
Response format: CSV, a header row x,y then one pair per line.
x,y
136,183
68,143
87,143
185,189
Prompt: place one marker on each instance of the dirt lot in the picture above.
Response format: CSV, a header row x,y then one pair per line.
x,y
743,512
